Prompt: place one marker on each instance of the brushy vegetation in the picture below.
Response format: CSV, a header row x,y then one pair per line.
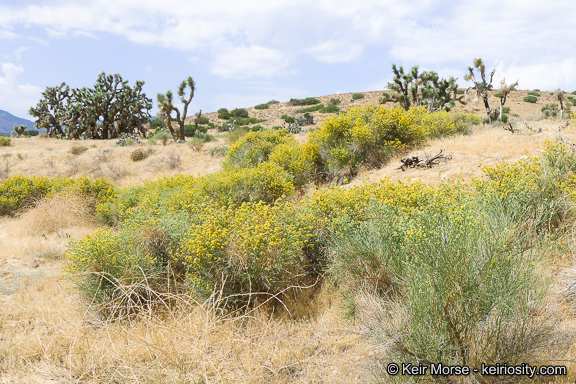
x,y
530,99
357,96
78,149
449,272
306,101
5,141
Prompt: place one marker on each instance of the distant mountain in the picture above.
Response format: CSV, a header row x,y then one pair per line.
x,y
9,121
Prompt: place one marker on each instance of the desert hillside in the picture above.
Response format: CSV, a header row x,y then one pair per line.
x,y
309,330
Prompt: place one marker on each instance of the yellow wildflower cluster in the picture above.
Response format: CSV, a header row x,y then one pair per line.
x,y
18,191
257,247
371,134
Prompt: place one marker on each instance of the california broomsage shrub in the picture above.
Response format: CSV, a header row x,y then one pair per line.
x,y
255,148
135,268
18,192
256,250
364,135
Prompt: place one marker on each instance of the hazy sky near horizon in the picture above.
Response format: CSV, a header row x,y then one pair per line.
x,y
243,53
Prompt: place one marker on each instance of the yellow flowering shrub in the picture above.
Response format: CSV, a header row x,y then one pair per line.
x,y
295,160
371,134
19,191
255,148
255,249
438,124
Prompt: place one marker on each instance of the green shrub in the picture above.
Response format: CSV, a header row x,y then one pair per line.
x,y
334,101
463,122
125,139
223,114
505,109
190,130
460,92
536,90
78,149
220,150
357,96
239,112
306,101
123,272
534,93
157,124
288,119
139,154
5,141
31,132
163,136
262,106
530,99
245,120
310,109
429,273
255,147
331,108
498,95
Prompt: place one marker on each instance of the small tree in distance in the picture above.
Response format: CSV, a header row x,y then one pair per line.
x,y
482,87
165,103
503,94
421,89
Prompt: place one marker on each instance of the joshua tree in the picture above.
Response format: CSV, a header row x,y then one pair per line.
x,y
197,117
427,89
167,107
51,110
482,87
503,93
19,130
110,108
560,95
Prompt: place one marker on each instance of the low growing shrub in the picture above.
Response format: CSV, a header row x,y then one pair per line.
x,y
78,149
239,112
530,99
357,96
5,141
306,101
139,154
331,108
223,114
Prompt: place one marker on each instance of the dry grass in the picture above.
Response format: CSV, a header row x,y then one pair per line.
x,y
49,335
57,214
52,158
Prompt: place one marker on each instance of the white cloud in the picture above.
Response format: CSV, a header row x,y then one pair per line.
x,y
17,54
335,51
265,39
545,76
16,98
253,61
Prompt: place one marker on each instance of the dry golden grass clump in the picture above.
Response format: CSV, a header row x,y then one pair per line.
x,y
55,214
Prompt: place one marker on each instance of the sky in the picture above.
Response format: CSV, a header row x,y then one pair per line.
x,y
243,53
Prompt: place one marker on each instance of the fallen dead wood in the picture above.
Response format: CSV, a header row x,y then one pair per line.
x,y
416,162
